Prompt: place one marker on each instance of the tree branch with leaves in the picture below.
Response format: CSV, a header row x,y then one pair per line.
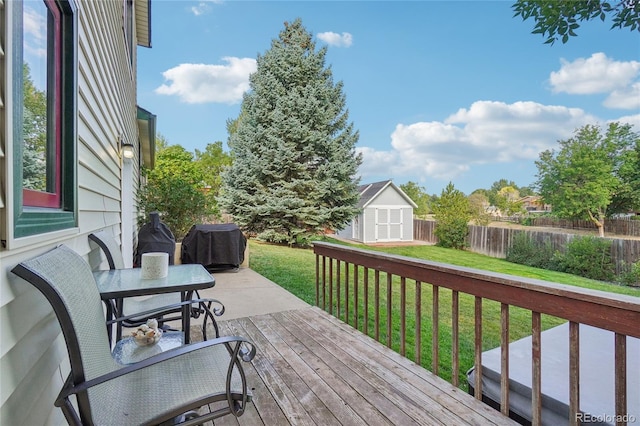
x,y
560,19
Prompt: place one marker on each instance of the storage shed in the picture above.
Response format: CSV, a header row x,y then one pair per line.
x,y
387,215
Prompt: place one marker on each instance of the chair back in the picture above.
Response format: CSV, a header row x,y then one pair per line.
x,y
65,279
109,247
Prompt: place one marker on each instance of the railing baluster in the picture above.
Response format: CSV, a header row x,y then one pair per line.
x,y
377,305
621,378
478,348
389,307
366,301
536,376
418,343
455,339
331,286
435,323
504,355
338,292
317,280
356,284
346,292
403,316
574,372
324,283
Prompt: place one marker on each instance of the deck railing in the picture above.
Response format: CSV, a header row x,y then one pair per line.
x,y
382,295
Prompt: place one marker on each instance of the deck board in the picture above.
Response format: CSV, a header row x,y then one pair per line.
x,y
313,369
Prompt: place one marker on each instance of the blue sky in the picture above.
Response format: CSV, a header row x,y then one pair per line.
x,y
439,91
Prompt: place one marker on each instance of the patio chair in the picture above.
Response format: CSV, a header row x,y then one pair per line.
x,y
132,305
159,389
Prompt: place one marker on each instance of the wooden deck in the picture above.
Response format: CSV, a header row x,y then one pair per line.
x,y
312,368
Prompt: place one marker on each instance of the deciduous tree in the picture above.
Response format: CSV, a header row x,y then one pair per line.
x,y
175,189
584,178
419,196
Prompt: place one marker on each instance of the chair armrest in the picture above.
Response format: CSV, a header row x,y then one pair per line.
x,y
243,349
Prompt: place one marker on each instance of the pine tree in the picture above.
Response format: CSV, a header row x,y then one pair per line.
x,y
294,162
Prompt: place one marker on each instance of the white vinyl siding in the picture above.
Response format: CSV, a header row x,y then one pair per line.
x,y
33,354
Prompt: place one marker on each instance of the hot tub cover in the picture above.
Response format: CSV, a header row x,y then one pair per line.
x,y
596,376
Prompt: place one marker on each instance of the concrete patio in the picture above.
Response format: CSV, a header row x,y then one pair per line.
x,y
246,293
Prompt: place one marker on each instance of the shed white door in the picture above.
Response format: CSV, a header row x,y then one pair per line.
x,y
388,224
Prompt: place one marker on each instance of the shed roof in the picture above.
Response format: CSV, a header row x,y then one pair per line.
x,y
370,191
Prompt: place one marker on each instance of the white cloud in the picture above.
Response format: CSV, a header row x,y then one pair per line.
x,y
203,7
486,133
627,98
202,83
35,29
634,120
335,39
597,74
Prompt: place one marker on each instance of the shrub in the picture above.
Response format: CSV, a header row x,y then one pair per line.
x,y
524,250
452,212
451,233
631,275
588,257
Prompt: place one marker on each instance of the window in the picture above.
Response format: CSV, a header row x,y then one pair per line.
x,y
128,28
44,116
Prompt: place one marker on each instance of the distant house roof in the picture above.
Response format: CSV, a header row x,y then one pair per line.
x,y
370,191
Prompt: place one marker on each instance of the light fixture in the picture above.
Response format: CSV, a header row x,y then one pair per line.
x,y
127,149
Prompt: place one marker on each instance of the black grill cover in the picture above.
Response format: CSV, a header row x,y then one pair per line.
x,y
155,236
219,246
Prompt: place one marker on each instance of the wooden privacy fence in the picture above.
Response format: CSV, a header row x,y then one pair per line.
x,y
626,226
383,296
495,241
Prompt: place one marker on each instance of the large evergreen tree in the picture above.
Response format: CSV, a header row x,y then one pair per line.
x,y
294,162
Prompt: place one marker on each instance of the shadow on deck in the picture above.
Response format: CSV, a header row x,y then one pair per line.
x,y
312,368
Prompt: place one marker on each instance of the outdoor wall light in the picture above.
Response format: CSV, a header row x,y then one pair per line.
x,y
127,149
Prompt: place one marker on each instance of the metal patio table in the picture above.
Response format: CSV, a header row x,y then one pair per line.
x,y
118,284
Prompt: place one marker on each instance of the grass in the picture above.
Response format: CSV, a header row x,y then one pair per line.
x,y
294,270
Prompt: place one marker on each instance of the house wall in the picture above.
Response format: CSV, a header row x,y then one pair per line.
x,y
33,354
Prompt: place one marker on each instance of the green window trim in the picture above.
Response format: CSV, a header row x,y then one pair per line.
x,y
34,220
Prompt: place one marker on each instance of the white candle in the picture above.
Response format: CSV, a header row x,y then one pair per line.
x,y
155,265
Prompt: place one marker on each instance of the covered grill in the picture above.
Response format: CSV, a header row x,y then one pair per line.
x,y
219,246
155,236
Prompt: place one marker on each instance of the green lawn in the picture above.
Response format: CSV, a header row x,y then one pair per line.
x,y
294,270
